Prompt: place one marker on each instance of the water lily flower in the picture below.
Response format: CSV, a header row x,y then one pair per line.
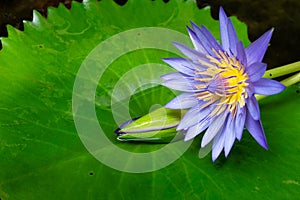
x,y
219,82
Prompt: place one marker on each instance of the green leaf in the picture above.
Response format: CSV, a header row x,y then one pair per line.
x,y
42,154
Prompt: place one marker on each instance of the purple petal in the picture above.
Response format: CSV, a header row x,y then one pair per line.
x,y
203,40
266,86
182,65
256,70
250,90
178,85
214,128
233,39
206,39
223,29
256,130
241,55
190,118
218,145
197,129
187,51
183,101
178,81
229,133
256,51
253,107
196,41
193,116
240,122
176,76
214,43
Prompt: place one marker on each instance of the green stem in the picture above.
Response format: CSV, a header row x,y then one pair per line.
x,y
284,70
287,82
291,80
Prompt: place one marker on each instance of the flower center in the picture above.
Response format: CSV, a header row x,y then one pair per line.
x,y
223,83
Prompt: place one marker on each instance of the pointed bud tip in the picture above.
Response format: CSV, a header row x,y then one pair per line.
x,y
119,130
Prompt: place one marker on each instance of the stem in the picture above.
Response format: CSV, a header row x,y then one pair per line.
x,y
291,80
284,70
287,82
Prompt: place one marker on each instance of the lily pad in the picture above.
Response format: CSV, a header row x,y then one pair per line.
x,y
42,155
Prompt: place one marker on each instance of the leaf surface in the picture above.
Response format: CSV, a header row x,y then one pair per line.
x,y
41,154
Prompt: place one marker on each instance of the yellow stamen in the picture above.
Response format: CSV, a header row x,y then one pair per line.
x,y
206,64
228,86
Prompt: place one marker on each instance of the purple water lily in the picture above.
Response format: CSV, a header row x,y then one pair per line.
x,y
219,83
